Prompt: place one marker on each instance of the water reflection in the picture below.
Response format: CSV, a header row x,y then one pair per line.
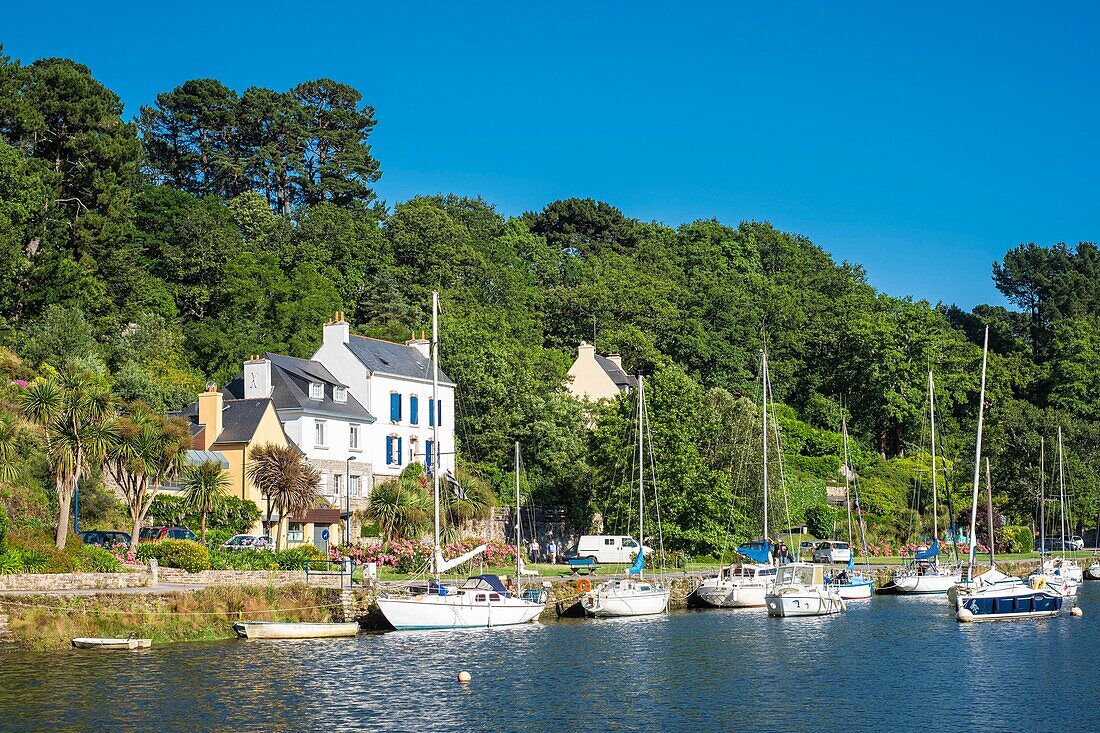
x,y
877,667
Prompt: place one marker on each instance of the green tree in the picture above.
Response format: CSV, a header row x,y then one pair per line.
x,y
290,483
206,487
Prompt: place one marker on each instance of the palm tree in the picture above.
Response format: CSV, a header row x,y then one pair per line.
x,y
290,483
149,450
400,510
207,484
75,413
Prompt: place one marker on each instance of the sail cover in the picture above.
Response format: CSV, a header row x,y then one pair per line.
x,y
930,552
760,552
639,563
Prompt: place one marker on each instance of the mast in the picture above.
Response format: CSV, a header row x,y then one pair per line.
x,y
1042,496
989,504
519,574
641,474
436,552
764,402
932,419
847,487
977,459
1062,494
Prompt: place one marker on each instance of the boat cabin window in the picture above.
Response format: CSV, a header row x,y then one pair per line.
x,y
767,572
494,596
480,597
644,587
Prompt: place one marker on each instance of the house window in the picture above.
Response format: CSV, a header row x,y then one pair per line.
x,y
319,433
353,436
393,450
316,391
435,412
296,532
428,454
414,409
353,485
340,394
337,484
395,407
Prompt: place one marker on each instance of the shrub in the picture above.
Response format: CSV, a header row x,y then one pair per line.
x,y
3,527
147,551
97,560
243,560
183,554
10,562
294,558
34,561
215,538
822,519
1017,539
233,514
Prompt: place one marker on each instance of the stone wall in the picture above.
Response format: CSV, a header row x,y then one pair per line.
x,y
76,581
175,576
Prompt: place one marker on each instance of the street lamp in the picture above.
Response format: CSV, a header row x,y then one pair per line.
x,y
347,499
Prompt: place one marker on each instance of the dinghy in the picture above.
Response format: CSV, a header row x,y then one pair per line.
x,y
288,630
111,644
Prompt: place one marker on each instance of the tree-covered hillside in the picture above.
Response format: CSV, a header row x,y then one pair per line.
x,y
161,249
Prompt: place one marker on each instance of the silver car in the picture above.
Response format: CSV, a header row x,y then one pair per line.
x,y
832,551
249,542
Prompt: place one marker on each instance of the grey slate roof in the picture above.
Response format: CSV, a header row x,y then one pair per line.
x,y
290,380
240,418
399,360
621,379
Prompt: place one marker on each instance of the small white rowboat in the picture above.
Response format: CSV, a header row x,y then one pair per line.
x,y
281,630
109,644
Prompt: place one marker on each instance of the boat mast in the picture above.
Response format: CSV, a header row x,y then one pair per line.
x,y
764,403
436,552
1062,494
519,573
641,474
1042,496
989,504
932,420
977,460
847,486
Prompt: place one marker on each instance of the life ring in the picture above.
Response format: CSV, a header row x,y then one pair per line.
x,y
584,585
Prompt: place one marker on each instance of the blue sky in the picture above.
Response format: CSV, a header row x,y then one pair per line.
x,y
921,140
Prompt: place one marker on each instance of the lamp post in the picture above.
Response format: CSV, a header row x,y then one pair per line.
x,y
347,500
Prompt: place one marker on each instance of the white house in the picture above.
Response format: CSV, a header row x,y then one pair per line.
x,y
594,377
393,382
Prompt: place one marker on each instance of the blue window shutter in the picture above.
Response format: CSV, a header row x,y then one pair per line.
x,y
428,454
414,409
400,455
395,407
389,449
431,413
439,413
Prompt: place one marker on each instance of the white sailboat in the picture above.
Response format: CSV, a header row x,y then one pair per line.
x,y
800,590
924,574
631,596
481,601
743,585
1061,573
993,595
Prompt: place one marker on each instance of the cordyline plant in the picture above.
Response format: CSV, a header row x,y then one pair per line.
x,y
74,413
149,450
206,485
290,483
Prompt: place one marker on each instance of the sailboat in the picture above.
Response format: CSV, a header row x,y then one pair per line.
x,y
481,601
848,584
993,595
924,574
743,585
631,596
1061,573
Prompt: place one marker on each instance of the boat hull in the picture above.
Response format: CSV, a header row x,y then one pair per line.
x,y
925,584
859,589
1004,603
276,630
431,611
111,644
732,595
619,604
793,603
1093,571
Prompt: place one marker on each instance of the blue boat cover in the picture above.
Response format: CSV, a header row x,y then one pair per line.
x,y
639,563
931,552
760,552
493,582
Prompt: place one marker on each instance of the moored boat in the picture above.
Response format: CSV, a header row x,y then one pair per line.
x,y
294,630
800,590
1092,572
111,644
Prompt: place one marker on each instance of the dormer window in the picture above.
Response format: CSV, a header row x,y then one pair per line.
x,y
316,391
340,394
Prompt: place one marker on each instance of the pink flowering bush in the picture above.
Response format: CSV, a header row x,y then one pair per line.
x,y
410,556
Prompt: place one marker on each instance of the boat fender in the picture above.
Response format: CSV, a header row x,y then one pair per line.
x,y
1039,583
584,585
964,615
1076,612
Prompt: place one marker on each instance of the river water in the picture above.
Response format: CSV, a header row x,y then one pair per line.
x,y
888,664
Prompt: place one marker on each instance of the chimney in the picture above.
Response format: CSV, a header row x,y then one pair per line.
x,y
616,360
423,345
337,330
210,414
257,378
586,352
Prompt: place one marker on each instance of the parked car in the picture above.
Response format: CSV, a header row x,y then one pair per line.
x,y
104,537
806,547
152,534
248,542
608,549
832,551
1057,544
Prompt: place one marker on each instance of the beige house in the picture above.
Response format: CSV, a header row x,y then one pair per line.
x,y
231,429
594,377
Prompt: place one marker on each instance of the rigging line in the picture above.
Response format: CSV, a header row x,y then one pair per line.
x,y
779,453
656,495
944,449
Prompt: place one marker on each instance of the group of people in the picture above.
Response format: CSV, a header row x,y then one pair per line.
x,y
534,551
782,552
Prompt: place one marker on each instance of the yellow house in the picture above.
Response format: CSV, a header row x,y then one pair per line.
x,y
232,428
594,377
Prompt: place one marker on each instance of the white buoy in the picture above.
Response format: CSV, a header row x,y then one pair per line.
x,y
965,615
1076,611
464,676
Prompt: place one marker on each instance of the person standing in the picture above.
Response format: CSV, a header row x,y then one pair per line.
x,y
552,551
534,548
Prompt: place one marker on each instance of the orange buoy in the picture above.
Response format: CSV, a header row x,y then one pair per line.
x,y
584,585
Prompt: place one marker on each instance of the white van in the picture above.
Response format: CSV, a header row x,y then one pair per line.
x,y
609,548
